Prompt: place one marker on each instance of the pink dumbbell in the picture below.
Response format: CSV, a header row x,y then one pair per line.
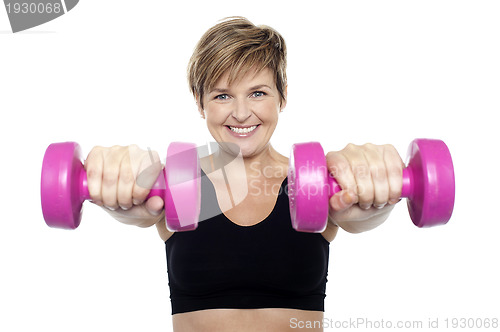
x,y
64,186
428,183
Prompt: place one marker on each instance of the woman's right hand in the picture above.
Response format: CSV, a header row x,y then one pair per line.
x,y
119,179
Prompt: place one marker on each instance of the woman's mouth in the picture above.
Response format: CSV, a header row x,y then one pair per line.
x,y
242,131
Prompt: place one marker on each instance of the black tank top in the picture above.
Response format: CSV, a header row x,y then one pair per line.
x,y
267,265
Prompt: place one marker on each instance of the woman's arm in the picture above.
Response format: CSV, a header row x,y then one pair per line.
x,y
144,215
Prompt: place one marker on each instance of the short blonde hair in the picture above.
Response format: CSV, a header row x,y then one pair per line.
x,y
236,45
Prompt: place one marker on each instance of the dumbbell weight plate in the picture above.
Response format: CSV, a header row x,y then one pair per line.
x,y
432,197
60,185
308,190
183,189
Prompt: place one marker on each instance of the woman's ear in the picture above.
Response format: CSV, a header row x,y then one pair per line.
x,y
200,107
283,102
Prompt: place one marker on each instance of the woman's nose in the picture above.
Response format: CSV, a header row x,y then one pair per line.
x,y
241,111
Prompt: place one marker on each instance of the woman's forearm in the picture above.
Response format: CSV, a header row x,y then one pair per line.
x,y
138,220
362,225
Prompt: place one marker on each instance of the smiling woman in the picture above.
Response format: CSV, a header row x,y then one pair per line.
x,y
245,269
244,112
232,47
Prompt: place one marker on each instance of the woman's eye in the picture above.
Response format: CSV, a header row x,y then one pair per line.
x,y
259,94
222,97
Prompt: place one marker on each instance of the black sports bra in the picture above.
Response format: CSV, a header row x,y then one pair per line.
x,y
266,265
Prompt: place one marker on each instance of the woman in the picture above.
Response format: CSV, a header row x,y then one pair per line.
x,y
246,268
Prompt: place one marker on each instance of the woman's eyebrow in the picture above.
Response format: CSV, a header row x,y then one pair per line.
x,y
255,87
259,86
218,90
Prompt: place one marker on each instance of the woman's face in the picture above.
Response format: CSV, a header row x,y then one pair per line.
x,y
244,113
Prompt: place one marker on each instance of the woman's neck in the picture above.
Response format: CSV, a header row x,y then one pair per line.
x,y
267,163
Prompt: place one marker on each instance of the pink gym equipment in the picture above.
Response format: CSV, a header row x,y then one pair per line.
x,y
428,183
64,186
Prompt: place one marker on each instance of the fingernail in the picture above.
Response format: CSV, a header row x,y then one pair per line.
x,y
347,198
124,208
136,202
110,208
155,213
394,201
378,206
365,206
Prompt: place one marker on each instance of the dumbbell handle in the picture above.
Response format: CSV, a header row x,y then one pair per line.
x,y
406,191
158,188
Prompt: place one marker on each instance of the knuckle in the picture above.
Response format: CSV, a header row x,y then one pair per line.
x,y
334,170
369,146
395,170
93,173
126,176
116,149
392,152
133,149
93,154
361,171
333,157
97,149
378,172
364,190
109,177
350,147
338,168
331,154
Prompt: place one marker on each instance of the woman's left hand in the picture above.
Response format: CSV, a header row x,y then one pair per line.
x,y
371,180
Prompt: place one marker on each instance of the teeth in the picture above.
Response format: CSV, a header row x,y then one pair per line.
x,y
243,130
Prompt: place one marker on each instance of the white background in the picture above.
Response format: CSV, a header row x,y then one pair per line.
x,y
113,72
